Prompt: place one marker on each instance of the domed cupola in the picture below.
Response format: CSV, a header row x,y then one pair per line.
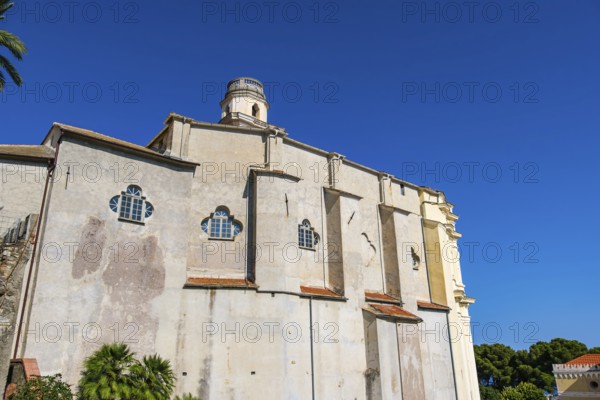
x,y
244,103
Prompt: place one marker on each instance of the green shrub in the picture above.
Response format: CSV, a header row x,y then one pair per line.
x,y
43,388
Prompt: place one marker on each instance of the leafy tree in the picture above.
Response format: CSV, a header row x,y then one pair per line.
x,y
594,350
43,388
524,391
494,366
558,351
489,393
501,367
106,374
14,45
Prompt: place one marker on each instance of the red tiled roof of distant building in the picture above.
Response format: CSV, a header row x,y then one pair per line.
x,y
586,359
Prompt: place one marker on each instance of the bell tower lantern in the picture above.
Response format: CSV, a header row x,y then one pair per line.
x,y
244,103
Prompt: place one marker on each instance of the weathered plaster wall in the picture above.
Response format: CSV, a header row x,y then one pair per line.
x,y
436,356
21,189
100,279
221,180
411,364
106,280
389,358
411,266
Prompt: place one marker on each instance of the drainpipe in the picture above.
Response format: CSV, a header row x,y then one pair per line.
x,y
312,357
51,169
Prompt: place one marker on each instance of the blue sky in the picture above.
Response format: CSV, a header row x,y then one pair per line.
x,y
496,103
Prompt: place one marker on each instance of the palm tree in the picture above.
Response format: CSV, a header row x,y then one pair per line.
x,y
153,378
14,45
112,373
106,375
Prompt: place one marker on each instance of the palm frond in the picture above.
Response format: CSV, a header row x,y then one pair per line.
x,y
4,6
12,71
2,81
105,376
13,44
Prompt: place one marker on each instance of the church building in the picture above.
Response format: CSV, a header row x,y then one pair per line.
x,y
260,266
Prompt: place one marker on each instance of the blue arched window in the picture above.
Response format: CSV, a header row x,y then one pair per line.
x,y
131,205
307,237
221,225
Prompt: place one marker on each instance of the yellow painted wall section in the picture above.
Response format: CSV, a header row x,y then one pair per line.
x,y
434,263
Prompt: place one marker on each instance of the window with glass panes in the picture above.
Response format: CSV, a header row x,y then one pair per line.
x,y
131,205
307,238
221,225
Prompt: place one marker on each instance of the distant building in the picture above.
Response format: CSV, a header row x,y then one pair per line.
x,y
260,266
579,378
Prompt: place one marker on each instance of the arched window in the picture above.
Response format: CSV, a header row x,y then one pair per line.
x,y
221,225
131,205
307,237
255,111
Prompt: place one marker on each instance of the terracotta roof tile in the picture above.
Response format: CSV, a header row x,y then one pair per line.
x,y
320,292
219,283
31,152
375,296
394,312
432,306
586,359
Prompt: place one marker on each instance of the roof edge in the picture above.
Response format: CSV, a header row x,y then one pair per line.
x,y
116,143
297,143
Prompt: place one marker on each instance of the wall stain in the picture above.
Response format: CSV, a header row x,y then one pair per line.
x,y
133,278
137,273
207,362
88,255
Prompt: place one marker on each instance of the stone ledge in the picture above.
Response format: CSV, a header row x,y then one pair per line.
x,y
219,283
381,298
432,306
320,293
392,313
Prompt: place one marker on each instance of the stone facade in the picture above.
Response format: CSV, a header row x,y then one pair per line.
x,y
259,265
